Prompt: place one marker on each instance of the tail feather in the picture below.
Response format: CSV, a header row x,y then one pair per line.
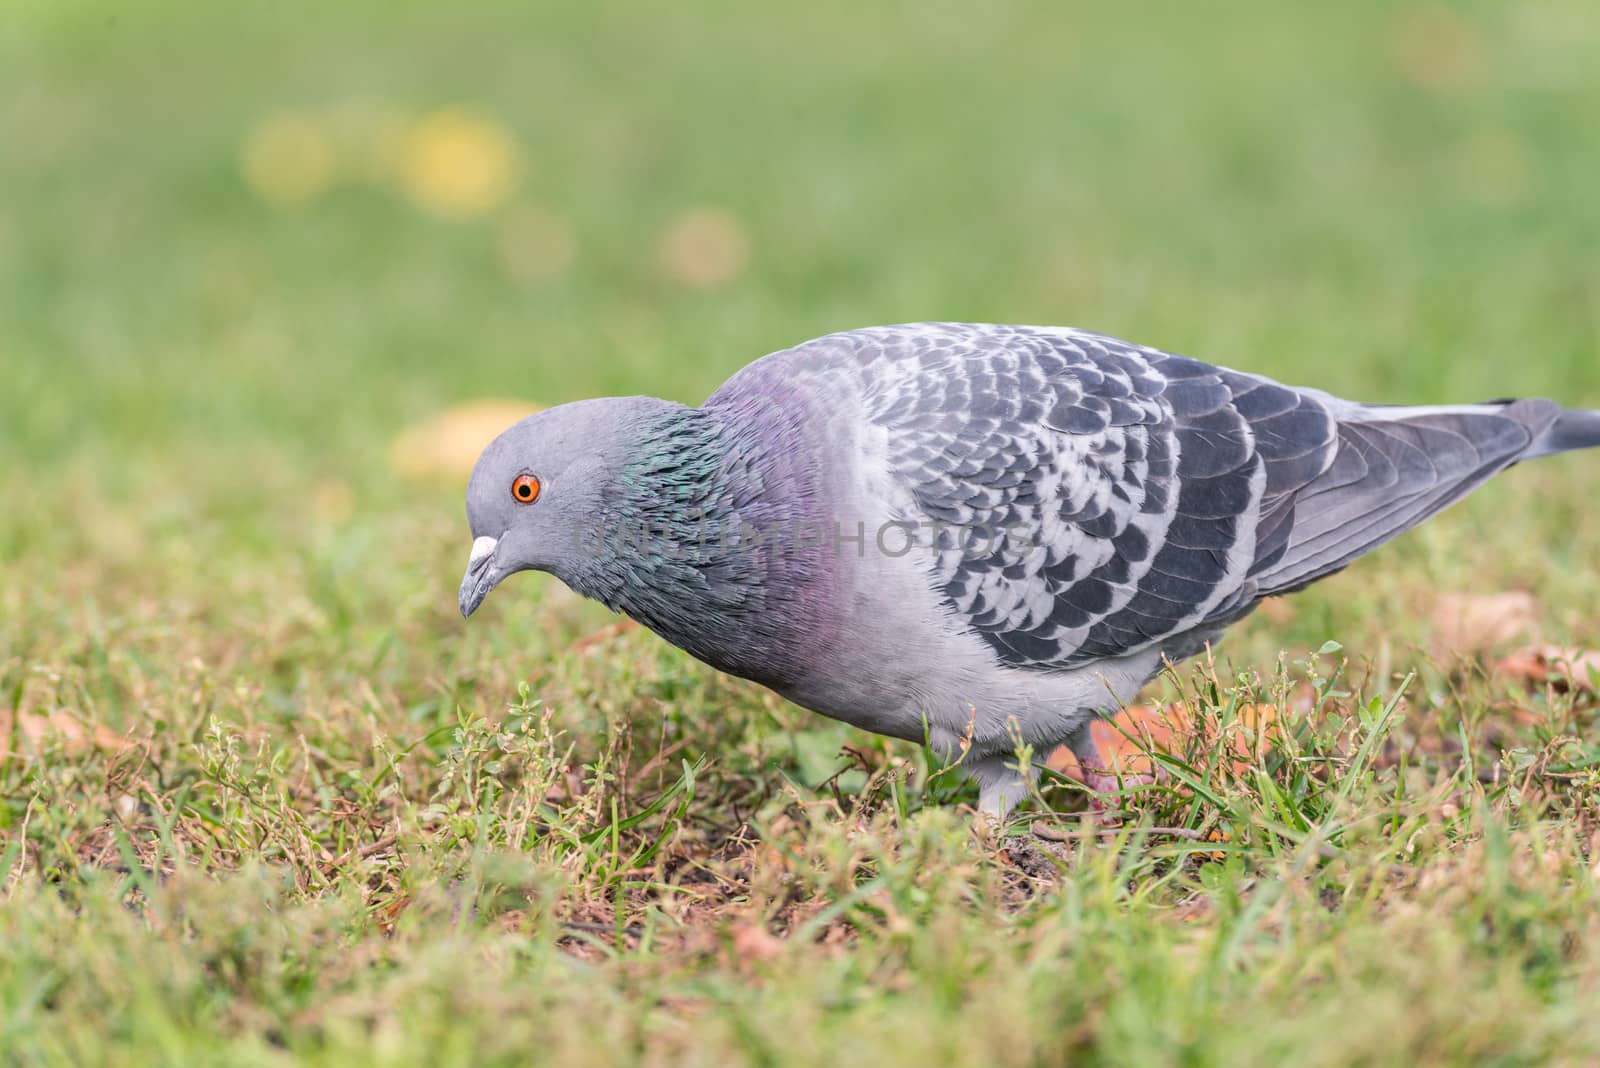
x,y
1396,466
1573,429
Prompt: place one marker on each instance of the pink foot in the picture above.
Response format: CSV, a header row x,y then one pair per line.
x,y
1104,786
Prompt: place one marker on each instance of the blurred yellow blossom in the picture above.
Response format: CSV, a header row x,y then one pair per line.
x,y
703,247
445,447
288,159
1436,49
458,163
535,243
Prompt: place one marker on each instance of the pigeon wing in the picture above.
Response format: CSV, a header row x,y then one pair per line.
x,y
1088,498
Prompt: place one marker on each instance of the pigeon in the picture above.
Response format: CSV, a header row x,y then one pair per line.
x,y
976,537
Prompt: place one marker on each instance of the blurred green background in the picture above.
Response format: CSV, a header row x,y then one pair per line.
x,y
243,247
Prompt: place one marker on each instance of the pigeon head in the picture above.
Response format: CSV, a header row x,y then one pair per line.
x,y
539,489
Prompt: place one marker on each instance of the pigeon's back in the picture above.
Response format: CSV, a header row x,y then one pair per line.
x,y
1083,498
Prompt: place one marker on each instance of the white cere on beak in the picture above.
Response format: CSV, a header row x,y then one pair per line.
x,y
481,548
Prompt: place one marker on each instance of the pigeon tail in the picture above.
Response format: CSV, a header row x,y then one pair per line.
x,y
1573,429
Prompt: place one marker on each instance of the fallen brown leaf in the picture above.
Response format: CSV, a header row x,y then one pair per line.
x,y
445,447
1279,611
1565,669
1124,739
704,248
1435,49
752,942
26,733
1475,622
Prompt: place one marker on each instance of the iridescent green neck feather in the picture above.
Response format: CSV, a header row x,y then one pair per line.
x,y
705,540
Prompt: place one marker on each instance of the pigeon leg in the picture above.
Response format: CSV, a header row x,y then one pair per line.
x,y
1097,775
1000,784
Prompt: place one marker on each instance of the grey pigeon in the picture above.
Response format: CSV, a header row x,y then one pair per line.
x,y
972,534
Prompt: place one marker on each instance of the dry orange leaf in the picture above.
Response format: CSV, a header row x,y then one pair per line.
x,y
1124,739
1565,669
752,942
25,734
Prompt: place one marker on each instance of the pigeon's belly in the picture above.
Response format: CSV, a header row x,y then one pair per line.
x,y
898,661
891,655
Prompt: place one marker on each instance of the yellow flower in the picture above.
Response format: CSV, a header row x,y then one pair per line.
x,y
458,164
288,159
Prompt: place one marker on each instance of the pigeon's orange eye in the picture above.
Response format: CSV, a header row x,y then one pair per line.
x,y
525,489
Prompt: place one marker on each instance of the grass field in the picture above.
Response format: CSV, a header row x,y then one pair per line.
x,y
266,799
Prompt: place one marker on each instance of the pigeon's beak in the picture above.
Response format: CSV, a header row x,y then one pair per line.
x,y
480,577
